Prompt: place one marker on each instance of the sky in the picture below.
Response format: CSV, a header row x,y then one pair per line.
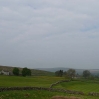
x,y
49,33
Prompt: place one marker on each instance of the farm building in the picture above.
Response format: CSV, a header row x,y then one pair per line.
x,y
5,72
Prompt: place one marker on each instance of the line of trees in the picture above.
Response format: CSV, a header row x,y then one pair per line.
x,y
59,73
25,71
71,73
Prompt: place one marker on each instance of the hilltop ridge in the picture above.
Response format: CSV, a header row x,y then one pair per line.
x,y
35,72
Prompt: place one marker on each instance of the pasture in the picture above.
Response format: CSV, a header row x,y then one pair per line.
x,y
41,81
85,86
45,81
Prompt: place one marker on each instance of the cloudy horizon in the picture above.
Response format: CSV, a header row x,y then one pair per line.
x,y
49,33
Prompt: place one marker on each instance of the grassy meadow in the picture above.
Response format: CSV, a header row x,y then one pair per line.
x,y
41,81
45,81
85,87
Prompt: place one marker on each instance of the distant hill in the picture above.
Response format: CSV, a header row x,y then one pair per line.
x,y
53,69
79,71
35,72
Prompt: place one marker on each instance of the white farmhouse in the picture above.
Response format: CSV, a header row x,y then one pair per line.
x,y
4,72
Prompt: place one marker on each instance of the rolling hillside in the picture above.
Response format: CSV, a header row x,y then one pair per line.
x,y
35,72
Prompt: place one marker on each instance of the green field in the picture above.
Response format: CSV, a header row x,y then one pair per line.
x,y
85,87
42,81
45,81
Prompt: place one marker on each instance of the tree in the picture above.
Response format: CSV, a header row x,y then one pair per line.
x,y
86,73
59,73
71,73
16,71
65,73
26,72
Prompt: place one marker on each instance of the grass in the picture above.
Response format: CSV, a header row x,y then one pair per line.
x,y
38,95
43,81
85,87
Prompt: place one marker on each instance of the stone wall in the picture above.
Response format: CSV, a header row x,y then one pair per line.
x,y
93,93
56,83
40,88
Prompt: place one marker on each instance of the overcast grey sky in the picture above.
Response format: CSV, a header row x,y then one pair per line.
x,y
49,33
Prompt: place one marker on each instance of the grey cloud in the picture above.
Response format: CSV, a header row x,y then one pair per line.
x,y
49,33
